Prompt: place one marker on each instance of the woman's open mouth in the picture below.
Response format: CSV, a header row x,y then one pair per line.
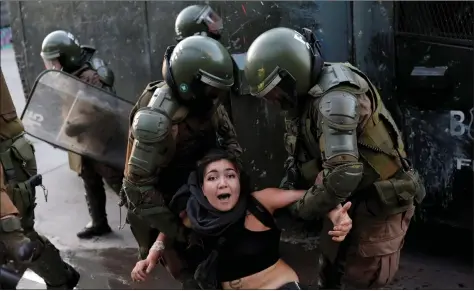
x,y
223,196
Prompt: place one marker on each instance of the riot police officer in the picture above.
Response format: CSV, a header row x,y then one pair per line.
x,y
173,124
61,50
203,20
343,145
198,20
18,165
14,237
193,20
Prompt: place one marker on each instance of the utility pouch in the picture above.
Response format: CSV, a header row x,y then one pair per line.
x,y
397,194
23,150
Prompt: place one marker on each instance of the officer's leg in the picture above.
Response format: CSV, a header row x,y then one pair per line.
x,y
112,177
329,274
331,259
48,264
96,201
11,237
12,241
375,261
180,265
143,233
56,273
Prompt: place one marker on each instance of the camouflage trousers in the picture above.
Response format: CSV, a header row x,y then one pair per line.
x,y
372,252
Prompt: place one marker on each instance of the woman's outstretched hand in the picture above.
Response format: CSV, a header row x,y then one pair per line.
x,y
144,267
341,221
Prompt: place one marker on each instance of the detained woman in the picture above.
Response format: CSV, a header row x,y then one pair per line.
x,y
220,205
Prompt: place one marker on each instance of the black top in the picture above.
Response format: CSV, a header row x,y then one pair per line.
x,y
247,252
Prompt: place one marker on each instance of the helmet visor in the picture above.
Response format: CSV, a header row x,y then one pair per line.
x,y
205,97
281,89
214,81
52,64
212,20
49,55
214,93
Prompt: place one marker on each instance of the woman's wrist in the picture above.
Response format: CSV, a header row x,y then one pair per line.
x,y
157,246
155,251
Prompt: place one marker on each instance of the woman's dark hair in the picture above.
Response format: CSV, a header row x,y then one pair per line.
x,y
215,155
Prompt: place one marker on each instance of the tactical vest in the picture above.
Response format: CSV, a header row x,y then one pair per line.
x,y
377,142
195,136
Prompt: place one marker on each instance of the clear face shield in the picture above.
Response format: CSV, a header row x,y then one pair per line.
x,y
210,97
212,87
211,19
217,95
207,96
52,64
281,90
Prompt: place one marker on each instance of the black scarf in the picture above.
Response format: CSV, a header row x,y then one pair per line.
x,y
205,219
208,221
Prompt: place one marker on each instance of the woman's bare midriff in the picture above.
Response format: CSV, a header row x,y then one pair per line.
x,y
271,278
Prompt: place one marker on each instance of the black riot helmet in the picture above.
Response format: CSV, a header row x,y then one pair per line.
x,y
283,64
199,70
64,47
198,20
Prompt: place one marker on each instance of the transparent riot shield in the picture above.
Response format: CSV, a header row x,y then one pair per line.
x,y
78,117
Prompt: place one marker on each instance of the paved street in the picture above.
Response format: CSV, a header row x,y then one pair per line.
x,y
106,263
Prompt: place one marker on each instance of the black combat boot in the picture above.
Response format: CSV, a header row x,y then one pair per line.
x,y
91,230
71,283
96,200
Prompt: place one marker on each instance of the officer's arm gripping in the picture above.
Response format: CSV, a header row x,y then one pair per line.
x,y
151,147
338,119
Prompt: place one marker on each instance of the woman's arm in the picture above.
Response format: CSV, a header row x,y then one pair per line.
x,y
160,240
159,244
275,198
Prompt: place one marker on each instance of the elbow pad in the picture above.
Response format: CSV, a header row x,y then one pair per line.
x,y
153,145
338,124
